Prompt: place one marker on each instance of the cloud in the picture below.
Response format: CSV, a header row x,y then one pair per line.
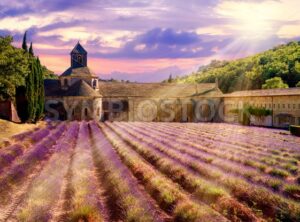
x,y
167,43
168,37
143,30
289,31
258,19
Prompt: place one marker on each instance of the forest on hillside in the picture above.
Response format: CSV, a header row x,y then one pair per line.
x,y
280,63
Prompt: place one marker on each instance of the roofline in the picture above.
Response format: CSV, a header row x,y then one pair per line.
x,y
278,92
157,83
271,95
77,97
78,43
82,76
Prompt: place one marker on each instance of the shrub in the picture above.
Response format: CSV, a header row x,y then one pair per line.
x,y
292,190
275,184
291,168
279,173
295,130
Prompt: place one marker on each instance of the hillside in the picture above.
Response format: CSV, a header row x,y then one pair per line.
x,y
251,72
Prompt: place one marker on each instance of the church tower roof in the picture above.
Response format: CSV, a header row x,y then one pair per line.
x,y
78,49
78,57
79,68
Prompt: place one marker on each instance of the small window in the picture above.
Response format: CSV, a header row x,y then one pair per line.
x,y
86,112
94,83
65,82
274,105
105,105
289,106
294,106
278,106
125,105
116,105
283,106
98,111
79,59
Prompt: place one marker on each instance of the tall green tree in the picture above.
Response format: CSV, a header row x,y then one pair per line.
x,y
31,50
24,44
35,91
40,90
31,92
170,80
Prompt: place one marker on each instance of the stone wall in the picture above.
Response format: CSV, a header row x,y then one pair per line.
x,y
8,111
286,109
74,108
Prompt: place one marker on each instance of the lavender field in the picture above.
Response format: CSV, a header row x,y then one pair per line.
x,y
88,171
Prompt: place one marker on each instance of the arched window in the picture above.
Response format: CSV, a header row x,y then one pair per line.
x,y
86,112
94,83
65,82
79,59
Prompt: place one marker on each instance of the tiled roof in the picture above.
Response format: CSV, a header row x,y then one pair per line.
x,y
79,72
265,92
155,90
79,49
80,88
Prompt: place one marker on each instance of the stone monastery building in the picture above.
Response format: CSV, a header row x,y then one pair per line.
x,y
78,94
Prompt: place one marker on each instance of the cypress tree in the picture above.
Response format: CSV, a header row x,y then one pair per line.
x,y
31,50
170,80
40,90
35,91
24,44
30,92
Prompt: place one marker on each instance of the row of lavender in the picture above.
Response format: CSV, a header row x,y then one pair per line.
x,y
147,172
219,176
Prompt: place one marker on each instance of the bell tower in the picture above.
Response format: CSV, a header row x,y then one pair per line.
x,y
78,56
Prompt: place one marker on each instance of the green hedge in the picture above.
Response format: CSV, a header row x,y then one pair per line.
x,y
244,114
295,130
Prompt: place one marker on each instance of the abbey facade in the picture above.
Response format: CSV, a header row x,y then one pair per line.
x,y
78,94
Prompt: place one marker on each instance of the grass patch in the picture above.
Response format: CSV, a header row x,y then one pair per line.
x,y
291,168
275,184
279,173
292,191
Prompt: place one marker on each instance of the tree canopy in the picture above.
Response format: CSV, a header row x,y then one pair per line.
x,y
252,72
274,83
14,67
22,75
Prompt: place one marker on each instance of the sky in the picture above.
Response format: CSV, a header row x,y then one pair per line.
x,y
147,40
